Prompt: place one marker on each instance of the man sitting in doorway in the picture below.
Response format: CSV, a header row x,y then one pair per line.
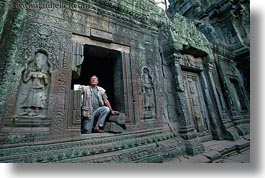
x,y
95,107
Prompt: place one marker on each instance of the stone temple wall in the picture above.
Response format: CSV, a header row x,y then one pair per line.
x,y
226,26
174,89
222,22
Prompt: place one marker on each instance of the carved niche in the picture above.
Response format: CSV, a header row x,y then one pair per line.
x,y
148,93
34,89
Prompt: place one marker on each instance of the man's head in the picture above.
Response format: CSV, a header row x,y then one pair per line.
x,y
94,81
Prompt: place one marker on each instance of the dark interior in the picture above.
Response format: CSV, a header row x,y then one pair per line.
x,y
100,62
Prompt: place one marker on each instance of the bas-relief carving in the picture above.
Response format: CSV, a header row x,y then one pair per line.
x,y
176,73
208,30
186,61
228,96
192,62
180,83
91,13
60,89
241,19
39,35
56,43
148,94
35,86
196,106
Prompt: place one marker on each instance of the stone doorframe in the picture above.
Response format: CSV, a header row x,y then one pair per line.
x,y
181,64
126,70
204,70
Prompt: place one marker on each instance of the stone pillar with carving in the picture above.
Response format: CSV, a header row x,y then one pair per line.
x,y
186,128
74,107
228,129
33,99
238,118
213,115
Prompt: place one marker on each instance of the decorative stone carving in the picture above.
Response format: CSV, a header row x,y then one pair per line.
x,y
228,96
176,72
208,30
35,86
179,83
134,25
196,104
148,93
197,115
77,58
191,62
191,37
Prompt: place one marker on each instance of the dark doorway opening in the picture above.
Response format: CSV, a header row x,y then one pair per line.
x,y
106,65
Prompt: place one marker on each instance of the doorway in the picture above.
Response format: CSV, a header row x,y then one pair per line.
x,y
106,64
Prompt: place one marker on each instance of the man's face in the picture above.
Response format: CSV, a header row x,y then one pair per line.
x,y
93,80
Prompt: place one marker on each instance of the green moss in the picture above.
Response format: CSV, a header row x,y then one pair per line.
x,y
3,15
12,34
141,58
184,32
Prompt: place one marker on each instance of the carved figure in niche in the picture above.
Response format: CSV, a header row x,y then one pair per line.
x,y
36,78
188,61
148,94
195,106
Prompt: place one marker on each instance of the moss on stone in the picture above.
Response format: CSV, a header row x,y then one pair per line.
x,y
3,13
12,33
184,32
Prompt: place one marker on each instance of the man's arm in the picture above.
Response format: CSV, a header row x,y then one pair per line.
x,y
107,103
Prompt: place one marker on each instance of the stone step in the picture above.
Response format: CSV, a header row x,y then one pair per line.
x,y
83,148
23,121
2,137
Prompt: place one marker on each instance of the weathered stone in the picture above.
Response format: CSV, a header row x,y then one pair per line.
x,y
112,127
173,80
214,156
101,35
118,119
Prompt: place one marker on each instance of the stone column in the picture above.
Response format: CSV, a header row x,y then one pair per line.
x,y
128,88
229,130
186,128
215,126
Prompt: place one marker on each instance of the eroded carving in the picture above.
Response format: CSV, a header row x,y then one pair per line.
x,y
77,58
148,94
195,102
34,89
191,62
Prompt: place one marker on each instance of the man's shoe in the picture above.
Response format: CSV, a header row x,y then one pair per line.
x,y
98,131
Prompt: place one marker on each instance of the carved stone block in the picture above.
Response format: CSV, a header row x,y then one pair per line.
x,y
113,127
118,119
101,35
